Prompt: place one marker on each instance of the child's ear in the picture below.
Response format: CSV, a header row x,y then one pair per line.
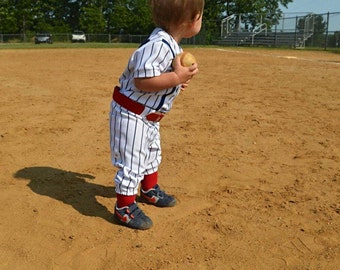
x,y
197,17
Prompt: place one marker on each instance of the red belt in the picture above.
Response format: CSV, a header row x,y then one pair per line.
x,y
134,106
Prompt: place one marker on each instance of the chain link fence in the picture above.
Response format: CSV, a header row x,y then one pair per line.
x,y
99,38
304,30
66,37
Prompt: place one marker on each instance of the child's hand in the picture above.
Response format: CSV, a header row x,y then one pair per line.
x,y
184,74
179,76
185,85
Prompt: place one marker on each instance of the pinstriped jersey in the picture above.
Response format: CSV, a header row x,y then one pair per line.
x,y
151,59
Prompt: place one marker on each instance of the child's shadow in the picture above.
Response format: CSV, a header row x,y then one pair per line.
x,y
70,188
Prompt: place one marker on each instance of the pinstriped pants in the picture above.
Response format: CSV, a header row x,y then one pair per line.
x,y
135,148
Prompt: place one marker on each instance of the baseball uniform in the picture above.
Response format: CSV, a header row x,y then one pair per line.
x,y
134,129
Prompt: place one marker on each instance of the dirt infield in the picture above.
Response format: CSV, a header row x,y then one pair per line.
x,y
251,150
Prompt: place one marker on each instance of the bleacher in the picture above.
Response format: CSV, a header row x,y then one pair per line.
x,y
270,39
237,31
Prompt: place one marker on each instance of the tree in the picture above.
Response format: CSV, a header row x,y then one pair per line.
x,y
256,6
7,18
141,17
130,16
49,15
92,19
122,16
72,14
214,11
255,12
22,14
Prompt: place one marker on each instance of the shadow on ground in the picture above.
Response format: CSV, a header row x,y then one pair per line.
x,y
69,187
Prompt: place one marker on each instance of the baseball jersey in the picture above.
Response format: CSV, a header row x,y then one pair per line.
x,y
151,59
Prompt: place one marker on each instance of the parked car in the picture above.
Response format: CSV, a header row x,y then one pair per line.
x,y
78,36
43,38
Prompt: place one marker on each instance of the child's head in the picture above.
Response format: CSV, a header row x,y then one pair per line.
x,y
170,13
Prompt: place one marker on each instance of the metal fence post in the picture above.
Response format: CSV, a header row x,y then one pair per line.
x,y
326,36
296,29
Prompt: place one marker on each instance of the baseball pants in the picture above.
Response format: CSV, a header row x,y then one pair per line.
x,y
135,148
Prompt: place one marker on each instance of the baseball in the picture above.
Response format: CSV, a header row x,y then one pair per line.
x,y
187,59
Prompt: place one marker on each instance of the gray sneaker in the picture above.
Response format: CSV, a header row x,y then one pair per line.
x,y
132,216
158,197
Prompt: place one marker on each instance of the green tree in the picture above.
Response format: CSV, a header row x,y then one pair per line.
x,y
8,23
49,15
21,13
253,12
26,16
121,16
92,19
256,6
72,14
214,11
141,17
130,17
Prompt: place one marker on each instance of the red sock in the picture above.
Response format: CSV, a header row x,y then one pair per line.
x,y
149,181
123,200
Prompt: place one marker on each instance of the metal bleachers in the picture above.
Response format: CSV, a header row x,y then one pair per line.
x,y
235,31
270,39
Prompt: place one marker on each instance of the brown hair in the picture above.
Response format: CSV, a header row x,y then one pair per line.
x,y
168,13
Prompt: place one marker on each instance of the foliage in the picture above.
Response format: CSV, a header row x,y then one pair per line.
x,y
129,16
265,11
118,16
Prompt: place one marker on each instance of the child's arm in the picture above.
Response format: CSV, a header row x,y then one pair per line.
x,y
180,75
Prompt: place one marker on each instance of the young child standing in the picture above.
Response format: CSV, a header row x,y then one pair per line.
x,y
148,86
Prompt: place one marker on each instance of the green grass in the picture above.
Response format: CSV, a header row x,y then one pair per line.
x,y
333,50
97,45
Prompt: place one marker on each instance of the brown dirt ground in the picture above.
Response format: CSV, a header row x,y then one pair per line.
x,y
251,150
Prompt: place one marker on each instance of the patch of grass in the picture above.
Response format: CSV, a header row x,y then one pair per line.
x,y
97,45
